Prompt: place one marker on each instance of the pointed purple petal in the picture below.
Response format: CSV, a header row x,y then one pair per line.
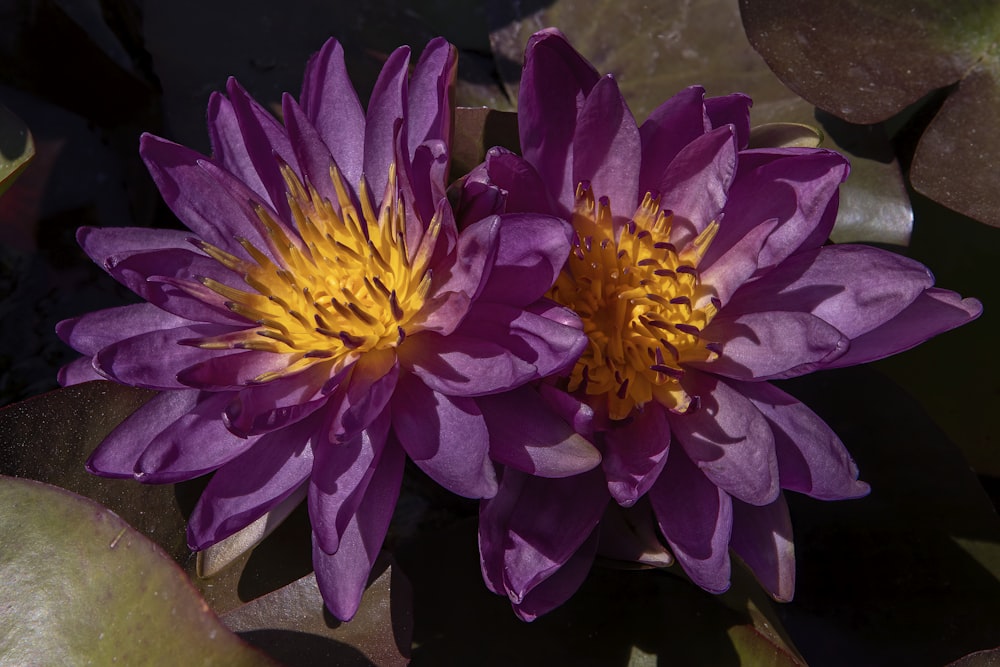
x,y
669,128
341,474
630,534
636,453
695,184
266,141
196,443
342,576
446,437
795,188
430,89
605,146
933,312
229,148
811,458
769,345
852,287
361,397
154,359
696,518
386,110
558,588
90,333
247,487
733,109
554,84
77,372
118,453
532,250
541,523
522,187
738,264
265,407
331,103
762,538
729,440
311,153
525,434
218,211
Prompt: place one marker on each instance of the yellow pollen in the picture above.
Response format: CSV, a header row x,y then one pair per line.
x,y
346,284
642,304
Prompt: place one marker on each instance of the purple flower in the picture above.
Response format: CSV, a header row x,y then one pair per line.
x,y
700,271
324,319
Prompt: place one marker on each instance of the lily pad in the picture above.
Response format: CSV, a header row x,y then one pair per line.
x,y
49,438
17,147
866,62
82,587
655,53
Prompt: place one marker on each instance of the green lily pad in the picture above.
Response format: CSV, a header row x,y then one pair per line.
x,y
83,587
49,438
655,53
17,147
866,62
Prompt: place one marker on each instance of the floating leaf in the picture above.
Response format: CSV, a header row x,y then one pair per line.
x,y
16,147
867,61
49,438
655,53
292,625
82,587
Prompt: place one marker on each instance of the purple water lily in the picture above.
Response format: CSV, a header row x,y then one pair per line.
x,y
700,271
323,318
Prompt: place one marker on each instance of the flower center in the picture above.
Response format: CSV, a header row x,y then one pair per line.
x,y
641,301
345,285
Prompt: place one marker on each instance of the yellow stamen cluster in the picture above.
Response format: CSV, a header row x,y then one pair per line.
x,y
642,304
345,285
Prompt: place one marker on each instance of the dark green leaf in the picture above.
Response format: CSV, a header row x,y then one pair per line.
x,y
16,147
866,61
82,587
291,624
50,437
